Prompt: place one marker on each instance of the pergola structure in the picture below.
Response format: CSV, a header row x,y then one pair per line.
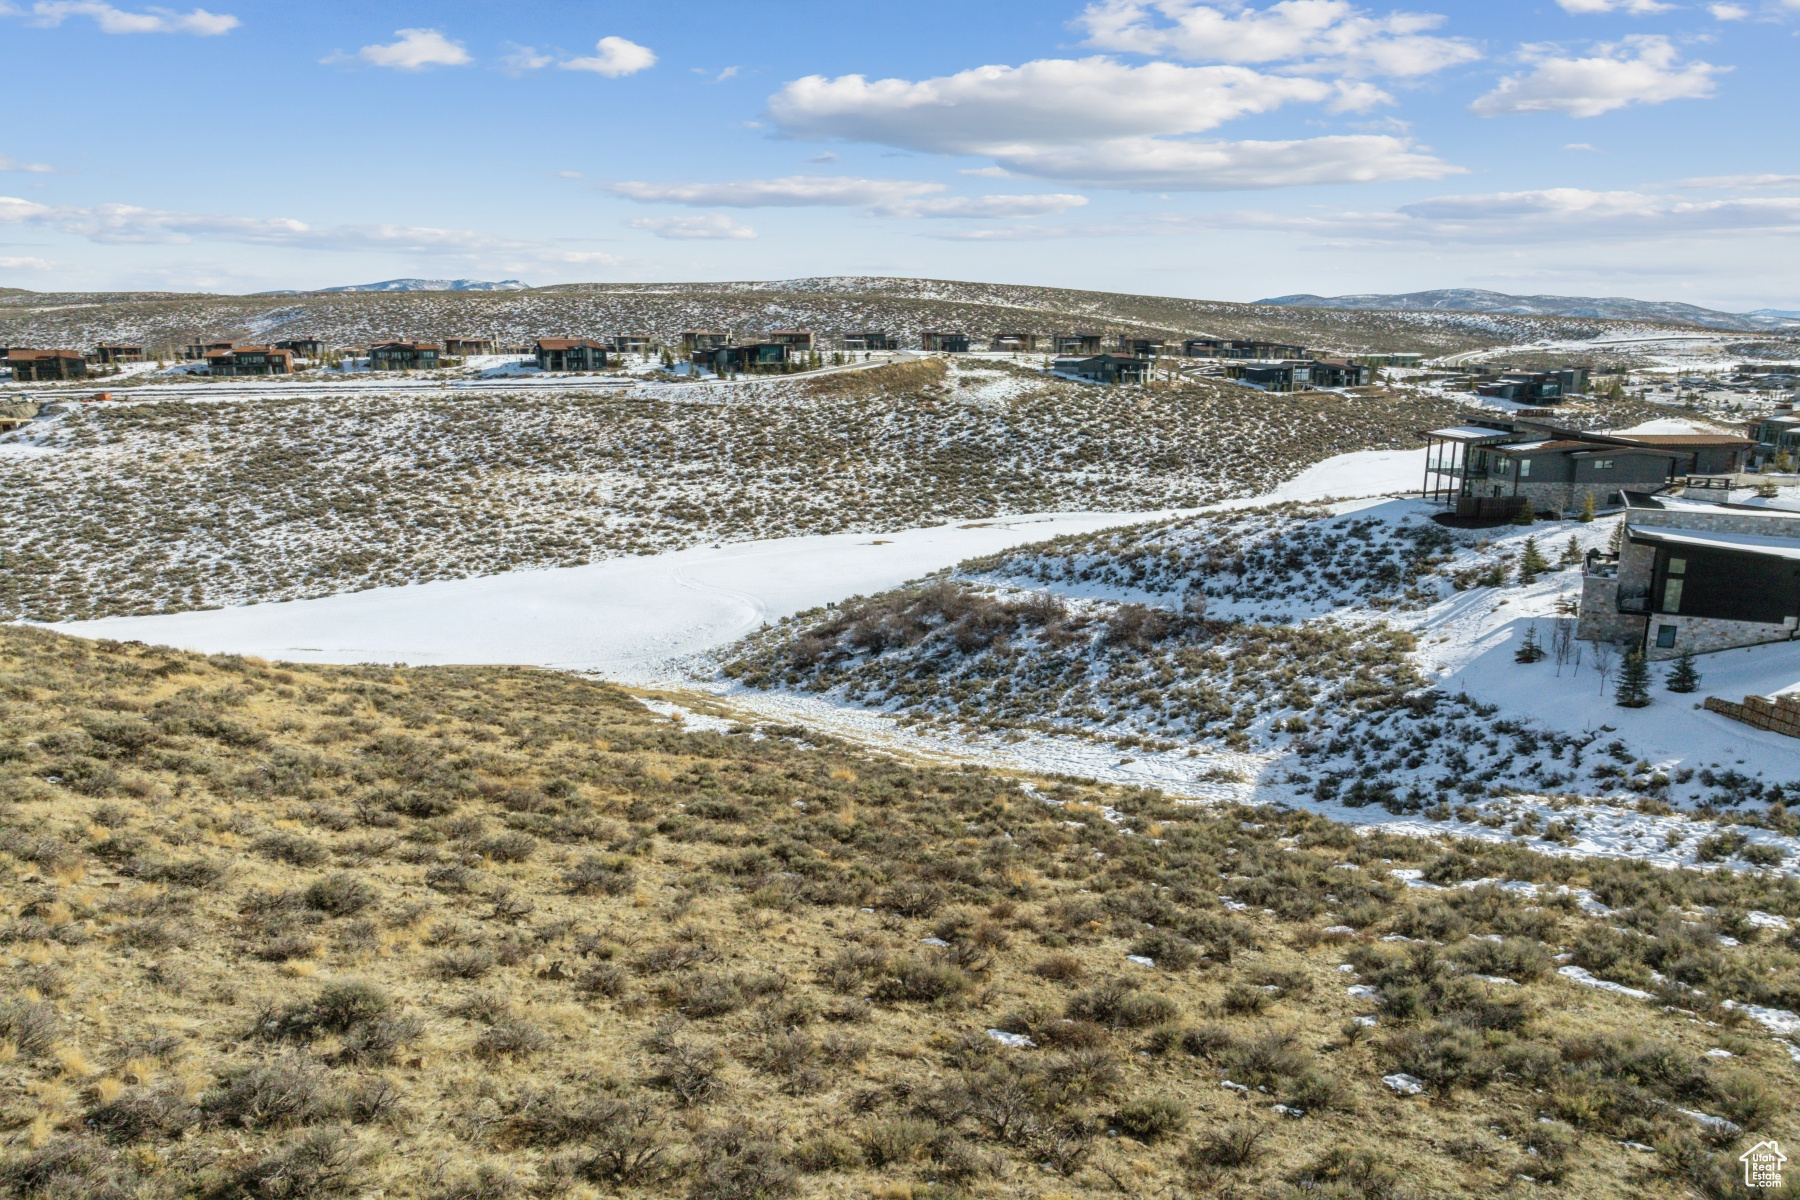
x,y
1447,457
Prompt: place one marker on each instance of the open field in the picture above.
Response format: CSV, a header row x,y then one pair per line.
x,y
469,934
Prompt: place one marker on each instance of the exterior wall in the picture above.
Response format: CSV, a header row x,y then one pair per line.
x,y
1720,522
1600,619
1706,635
1781,715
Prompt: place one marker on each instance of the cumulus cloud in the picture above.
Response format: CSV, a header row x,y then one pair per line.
x,y
1728,12
708,227
1317,35
416,50
793,191
526,58
1641,69
8,163
116,224
198,22
613,57
1100,122
1637,8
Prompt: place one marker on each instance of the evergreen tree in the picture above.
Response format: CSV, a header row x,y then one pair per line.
x,y
1634,682
1532,563
1587,508
1682,676
1617,542
1529,650
1571,554
1527,514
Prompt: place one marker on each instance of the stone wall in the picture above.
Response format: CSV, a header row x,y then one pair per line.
x,y
1770,525
1781,715
1706,635
1601,619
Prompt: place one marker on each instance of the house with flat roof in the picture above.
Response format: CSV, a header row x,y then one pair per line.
x,y
118,354
1141,347
1104,368
1290,375
45,365
464,347
754,357
251,360
1074,344
199,350
868,339
1014,343
1694,576
1340,372
303,347
704,339
404,356
793,339
569,354
944,342
632,343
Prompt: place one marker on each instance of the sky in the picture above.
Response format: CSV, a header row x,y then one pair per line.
x,y
1217,149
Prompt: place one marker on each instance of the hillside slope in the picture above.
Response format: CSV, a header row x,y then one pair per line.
x,y
1475,300
284,933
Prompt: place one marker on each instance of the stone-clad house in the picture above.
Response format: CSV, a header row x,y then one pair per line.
x,y
1694,576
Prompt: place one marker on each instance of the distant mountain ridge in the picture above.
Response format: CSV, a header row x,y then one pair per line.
x,y
1613,308
417,285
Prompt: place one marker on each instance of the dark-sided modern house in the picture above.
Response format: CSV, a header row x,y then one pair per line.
x,y
463,347
752,356
1210,347
945,343
1339,373
793,339
868,339
1104,368
1014,343
303,347
569,354
1777,434
1072,344
404,356
1490,467
704,339
632,343
1292,375
199,350
118,354
251,360
45,365
1139,347
1536,387
1694,576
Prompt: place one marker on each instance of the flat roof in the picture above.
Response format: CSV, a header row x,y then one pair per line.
x,y
1742,543
1469,433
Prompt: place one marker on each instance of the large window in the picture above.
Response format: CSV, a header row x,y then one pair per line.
x,y
1726,585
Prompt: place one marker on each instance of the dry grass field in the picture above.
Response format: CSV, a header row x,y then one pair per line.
x,y
293,933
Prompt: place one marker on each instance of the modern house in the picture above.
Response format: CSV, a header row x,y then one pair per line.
x,y
1388,360
946,343
1070,344
45,365
632,343
1014,343
464,347
1491,467
704,339
793,339
1137,347
404,356
868,339
251,360
1232,348
1340,372
1104,368
569,354
1536,387
303,347
118,354
1290,375
1778,434
751,356
199,350
1694,576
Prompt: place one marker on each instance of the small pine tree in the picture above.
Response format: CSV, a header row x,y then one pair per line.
x,y
1529,650
1617,542
1682,676
1634,682
1532,562
1767,489
1527,514
1571,554
1587,508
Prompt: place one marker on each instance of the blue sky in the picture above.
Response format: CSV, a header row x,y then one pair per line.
x,y
1218,149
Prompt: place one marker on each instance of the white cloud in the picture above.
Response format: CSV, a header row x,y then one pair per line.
x,y
793,191
614,56
707,227
416,50
8,163
1637,8
1728,12
198,22
1100,122
1641,69
26,264
526,58
986,172
986,206
1321,35
1589,148
1738,182
727,73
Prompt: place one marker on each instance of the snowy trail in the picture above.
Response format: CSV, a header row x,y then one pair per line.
x,y
634,619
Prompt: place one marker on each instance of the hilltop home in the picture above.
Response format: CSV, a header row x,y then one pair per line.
x,y
1070,344
303,347
793,339
45,365
1340,372
1202,347
119,354
1777,434
404,356
704,339
1694,576
569,354
1137,347
199,350
1292,375
251,360
1536,387
868,339
1104,368
1014,343
632,343
946,343
1490,466
1268,351
752,356
464,347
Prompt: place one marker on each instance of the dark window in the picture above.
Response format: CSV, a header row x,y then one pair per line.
x,y
1665,636
1726,585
